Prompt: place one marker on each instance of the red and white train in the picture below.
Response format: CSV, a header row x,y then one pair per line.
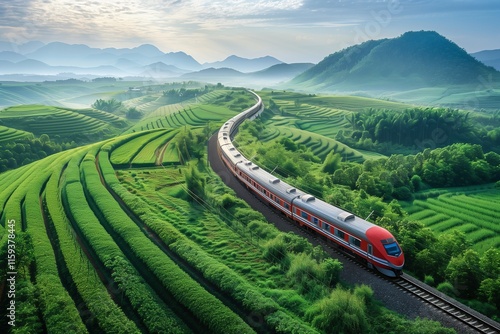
x,y
374,244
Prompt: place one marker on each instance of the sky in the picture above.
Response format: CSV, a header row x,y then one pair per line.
x,y
211,30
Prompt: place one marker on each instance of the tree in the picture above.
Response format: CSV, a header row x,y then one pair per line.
x,y
133,113
109,105
490,263
463,273
489,291
332,162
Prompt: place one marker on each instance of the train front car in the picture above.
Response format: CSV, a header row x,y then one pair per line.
x,y
387,255
367,241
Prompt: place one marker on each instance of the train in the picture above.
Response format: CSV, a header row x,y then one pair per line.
x,y
374,245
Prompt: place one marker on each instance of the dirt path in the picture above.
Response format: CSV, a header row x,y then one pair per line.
x,y
161,154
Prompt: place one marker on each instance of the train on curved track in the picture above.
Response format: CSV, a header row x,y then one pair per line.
x,y
374,244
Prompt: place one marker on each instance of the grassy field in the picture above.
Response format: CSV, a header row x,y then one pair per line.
x,y
473,210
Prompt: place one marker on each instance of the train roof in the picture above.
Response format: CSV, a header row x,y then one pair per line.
x,y
270,182
232,153
346,221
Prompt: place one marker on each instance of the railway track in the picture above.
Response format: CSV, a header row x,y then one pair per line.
x,y
465,320
454,309
447,305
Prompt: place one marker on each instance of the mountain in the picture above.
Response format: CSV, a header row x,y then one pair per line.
x,y
281,72
161,70
81,55
181,60
489,57
210,74
245,65
411,61
11,56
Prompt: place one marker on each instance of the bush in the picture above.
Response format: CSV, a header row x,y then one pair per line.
x,y
429,280
447,288
341,312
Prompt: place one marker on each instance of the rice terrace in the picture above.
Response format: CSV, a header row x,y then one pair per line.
x,y
354,195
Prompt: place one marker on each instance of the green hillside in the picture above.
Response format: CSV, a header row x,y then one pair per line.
x,y
413,60
67,124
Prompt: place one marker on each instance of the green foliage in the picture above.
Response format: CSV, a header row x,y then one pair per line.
x,y
340,312
195,184
447,288
332,162
462,271
133,113
429,280
107,105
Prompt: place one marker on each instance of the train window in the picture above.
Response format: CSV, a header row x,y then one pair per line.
x,y
354,241
304,215
326,226
339,234
315,221
287,206
277,200
392,249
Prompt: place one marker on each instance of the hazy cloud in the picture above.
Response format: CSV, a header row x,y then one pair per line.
x,y
210,30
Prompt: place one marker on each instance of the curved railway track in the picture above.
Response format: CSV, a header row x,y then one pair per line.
x,y
463,319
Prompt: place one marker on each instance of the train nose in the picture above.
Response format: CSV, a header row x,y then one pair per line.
x,y
398,262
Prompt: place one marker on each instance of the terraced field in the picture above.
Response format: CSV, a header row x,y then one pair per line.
x,y
475,212
40,119
8,134
318,144
121,255
213,106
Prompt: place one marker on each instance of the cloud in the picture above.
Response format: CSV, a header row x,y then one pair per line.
x,y
309,29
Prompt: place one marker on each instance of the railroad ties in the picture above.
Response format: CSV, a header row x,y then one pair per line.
x,y
448,305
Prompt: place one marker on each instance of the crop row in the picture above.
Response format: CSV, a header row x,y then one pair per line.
x,y
478,202
125,153
207,308
154,314
102,115
222,276
494,215
7,134
28,111
465,213
149,153
108,315
434,219
320,145
24,205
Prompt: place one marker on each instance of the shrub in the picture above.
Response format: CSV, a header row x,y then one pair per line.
x,y
447,288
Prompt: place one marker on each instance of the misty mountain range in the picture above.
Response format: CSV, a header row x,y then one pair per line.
x,y
412,60
146,60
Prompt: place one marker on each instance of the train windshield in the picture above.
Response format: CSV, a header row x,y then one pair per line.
x,y
392,249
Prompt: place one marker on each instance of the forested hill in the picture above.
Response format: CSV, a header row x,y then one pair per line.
x,y
413,60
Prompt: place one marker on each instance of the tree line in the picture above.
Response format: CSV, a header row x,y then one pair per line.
x,y
417,128
24,151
